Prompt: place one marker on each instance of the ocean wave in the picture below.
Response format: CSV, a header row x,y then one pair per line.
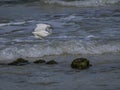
x,y
82,3
11,23
76,3
58,48
15,23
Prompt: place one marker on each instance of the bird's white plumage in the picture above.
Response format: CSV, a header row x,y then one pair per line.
x,y
42,30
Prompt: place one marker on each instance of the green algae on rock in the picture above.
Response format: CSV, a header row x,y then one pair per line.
x,y
39,61
19,62
80,63
51,62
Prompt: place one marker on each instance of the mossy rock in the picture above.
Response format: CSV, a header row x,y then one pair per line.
x,y
51,62
39,61
19,61
80,63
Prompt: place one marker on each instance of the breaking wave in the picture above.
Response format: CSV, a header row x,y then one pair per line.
x,y
83,3
58,48
15,23
74,3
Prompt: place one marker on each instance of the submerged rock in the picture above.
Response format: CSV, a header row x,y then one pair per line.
x,y
51,62
80,63
39,61
19,61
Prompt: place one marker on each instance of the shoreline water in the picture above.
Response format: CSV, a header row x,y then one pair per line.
x,y
104,74
64,57
91,31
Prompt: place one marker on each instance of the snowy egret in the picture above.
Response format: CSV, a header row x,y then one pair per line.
x,y
42,30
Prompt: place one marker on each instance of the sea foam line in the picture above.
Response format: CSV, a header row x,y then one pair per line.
x,y
58,48
16,23
87,3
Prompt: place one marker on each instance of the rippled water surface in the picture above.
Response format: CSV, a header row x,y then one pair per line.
x,y
104,74
77,30
89,28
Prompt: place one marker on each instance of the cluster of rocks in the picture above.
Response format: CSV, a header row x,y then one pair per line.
x,y
78,63
21,61
43,61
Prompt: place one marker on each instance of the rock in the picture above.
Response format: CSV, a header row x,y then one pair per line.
x,y
19,62
39,61
51,62
80,63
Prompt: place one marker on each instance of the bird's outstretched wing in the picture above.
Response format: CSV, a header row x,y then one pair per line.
x,y
42,30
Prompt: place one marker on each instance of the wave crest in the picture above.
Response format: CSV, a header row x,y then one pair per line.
x,y
85,3
58,48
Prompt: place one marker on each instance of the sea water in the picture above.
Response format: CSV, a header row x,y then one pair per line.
x,y
80,28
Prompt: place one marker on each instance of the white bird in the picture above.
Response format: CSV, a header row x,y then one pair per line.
x,y
42,30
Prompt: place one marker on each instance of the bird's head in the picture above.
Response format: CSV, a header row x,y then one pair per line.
x,y
49,28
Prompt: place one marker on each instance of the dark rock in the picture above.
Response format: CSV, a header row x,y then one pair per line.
x,y
51,62
39,61
80,63
19,62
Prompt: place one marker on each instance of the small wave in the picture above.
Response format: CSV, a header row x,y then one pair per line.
x,y
12,23
58,48
85,3
15,23
76,3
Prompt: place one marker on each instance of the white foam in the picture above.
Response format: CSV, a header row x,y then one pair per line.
x,y
69,17
3,24
58,48
12,23
42,30
91,37
85,3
